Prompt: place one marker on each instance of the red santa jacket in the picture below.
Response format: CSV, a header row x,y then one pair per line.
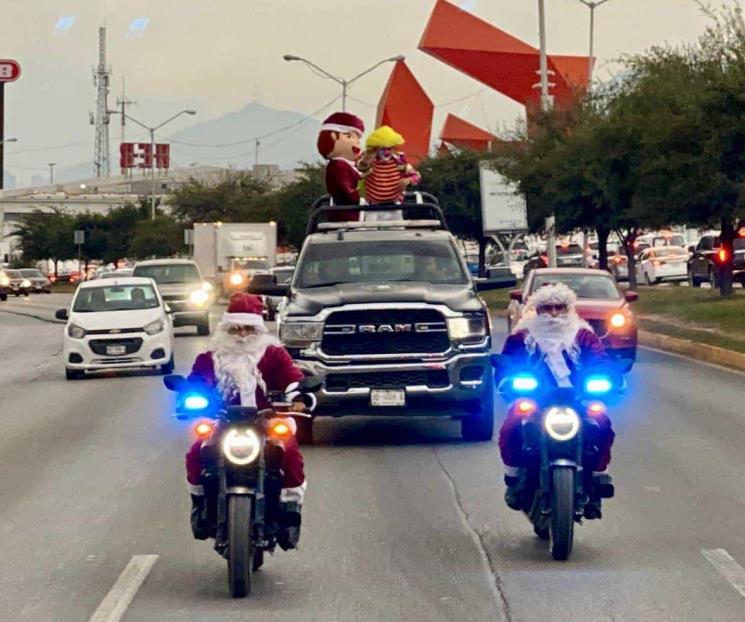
x,y
591,352
341,183
276,366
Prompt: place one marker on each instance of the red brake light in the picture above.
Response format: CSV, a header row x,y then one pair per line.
x,y
203,430
722,255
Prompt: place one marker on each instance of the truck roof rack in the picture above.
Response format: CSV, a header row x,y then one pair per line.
x,y
420,210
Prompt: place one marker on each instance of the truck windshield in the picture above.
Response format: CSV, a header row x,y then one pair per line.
x,y
326,264
169,273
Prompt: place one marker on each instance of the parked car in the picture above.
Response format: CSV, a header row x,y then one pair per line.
x,y
19,284
181,284
283,275
599,301
4,285
118,324
704,262
567,256
663,263
39,282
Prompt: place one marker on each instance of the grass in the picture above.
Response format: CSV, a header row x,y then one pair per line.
x,y
497,299
64,288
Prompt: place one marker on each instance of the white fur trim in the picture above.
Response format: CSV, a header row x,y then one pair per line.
x,y
296,494
344,129
292,387
195,489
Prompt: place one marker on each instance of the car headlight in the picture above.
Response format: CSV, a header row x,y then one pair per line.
x,y
154,327
618,320
199,297
4,281
300,334
467,329
561,423
25,283
241,446
74,331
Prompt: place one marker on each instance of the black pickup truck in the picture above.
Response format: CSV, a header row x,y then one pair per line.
x,y
387,312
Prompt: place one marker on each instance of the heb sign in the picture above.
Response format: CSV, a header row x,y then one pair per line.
x,y
140,155
10,70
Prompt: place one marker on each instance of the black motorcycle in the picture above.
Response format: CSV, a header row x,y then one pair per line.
x,y
558,431
241,456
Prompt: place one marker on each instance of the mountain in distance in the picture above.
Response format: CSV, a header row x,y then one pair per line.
x,y
287,148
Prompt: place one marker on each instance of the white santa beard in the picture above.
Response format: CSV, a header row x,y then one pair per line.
x,y
237,364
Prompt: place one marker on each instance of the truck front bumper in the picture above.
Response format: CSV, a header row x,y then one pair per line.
x,y
434,388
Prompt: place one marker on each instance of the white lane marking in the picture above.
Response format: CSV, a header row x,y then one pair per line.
x,y
727,567
112,607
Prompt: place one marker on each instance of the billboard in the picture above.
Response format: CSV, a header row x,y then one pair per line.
x,y
140,155
502,207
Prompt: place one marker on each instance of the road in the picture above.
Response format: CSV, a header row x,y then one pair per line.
x,y
403,521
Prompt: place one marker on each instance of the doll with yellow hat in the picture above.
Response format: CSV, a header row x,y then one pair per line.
x,y
385,170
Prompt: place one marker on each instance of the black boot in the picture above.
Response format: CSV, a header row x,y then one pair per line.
x,y
288,536
601,488
200,528
516,485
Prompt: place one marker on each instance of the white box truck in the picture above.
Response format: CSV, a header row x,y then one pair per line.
x,y
229,254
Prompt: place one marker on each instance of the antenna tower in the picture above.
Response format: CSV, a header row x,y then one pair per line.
x,y
122,102
101,78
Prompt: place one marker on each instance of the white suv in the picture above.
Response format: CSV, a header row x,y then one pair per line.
x,y
117,324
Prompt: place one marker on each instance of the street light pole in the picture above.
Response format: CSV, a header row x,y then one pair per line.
x,y
51,173
592,5
341,81
3,141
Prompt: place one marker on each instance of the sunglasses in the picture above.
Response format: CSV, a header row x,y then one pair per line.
x,y
558,308
237,330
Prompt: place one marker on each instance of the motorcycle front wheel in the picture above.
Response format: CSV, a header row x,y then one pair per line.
x,y
561,525
240,553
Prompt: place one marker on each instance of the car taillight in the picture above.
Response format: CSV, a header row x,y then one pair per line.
x,y
722,255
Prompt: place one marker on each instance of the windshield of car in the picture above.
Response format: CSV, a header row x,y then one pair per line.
x,y
250,264
32,274
326,264
169,273
670,240
670,251
116,275
13,274
568,249
284,275
115,298
599,286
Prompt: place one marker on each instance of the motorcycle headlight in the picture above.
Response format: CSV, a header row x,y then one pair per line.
x,y
236,279
561,423
467,329
241,447
74,331
154,327
25,284
199,297
300,334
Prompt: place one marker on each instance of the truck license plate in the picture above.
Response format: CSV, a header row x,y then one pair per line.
x,y
116,350
387,397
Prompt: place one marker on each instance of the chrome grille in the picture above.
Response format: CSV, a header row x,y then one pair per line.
x,y
131,345
433,379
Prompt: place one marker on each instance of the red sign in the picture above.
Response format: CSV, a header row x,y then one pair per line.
x,y
140,155
10,70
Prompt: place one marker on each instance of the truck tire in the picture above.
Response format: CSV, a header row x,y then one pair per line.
x,y
479,426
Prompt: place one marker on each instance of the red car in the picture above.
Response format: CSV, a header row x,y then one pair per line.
x,y
599,301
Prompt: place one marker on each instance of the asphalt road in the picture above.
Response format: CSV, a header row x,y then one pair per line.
x,y
403,521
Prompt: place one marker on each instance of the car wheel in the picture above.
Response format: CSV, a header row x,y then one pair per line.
x,y
647,279
17,294
713,281
692,280
73,374
167,369
3,297
25,293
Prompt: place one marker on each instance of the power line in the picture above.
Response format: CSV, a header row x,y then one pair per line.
x,y
52,148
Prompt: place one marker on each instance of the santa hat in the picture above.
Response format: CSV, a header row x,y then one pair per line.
x,y
245,310
344,122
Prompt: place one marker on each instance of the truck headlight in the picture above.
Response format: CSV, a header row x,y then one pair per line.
x,y
25,284
199,297
467,329
154,327
561,423
236,279
207,286
241,447
74,331
300,334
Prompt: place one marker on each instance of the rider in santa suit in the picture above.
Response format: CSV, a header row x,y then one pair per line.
x,y
244,364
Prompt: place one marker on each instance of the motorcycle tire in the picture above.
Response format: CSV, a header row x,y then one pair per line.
x,y
240,553
561,526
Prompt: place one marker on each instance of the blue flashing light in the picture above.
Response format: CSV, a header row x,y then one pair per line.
x,y
524,383
598,385
196,402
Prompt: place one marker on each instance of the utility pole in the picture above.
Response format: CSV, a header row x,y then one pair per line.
x,y
256,155
592,5
51,173
546,105
123,102
101,78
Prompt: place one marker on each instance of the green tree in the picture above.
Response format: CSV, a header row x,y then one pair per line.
x,y
290,205
46,235
161,237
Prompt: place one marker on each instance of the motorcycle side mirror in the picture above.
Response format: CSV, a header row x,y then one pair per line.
x,y
516,294
691,249
631,296
61,314
310,384
174,382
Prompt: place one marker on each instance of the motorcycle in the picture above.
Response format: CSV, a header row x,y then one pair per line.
x,y
558,426
242,452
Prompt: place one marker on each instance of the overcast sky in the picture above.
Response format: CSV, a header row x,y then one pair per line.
x,y
217,55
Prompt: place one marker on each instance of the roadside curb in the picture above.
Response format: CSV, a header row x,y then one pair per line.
x,y
693,350
32,315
